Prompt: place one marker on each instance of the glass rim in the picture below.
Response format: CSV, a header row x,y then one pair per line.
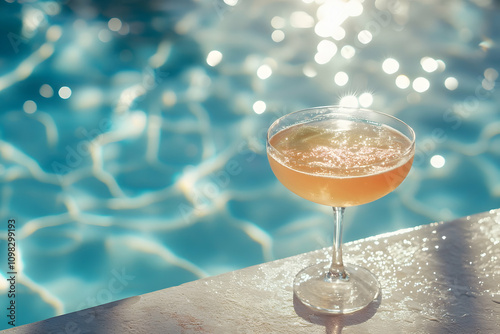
x,y
329,110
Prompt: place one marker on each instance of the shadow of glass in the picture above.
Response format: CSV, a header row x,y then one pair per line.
x,y
334,323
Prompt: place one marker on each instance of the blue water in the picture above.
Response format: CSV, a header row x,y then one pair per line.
x,y
132,153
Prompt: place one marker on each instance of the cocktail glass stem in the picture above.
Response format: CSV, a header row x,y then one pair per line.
x,y
337,271
334,287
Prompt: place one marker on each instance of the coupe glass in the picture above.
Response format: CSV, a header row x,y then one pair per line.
x,y
340,157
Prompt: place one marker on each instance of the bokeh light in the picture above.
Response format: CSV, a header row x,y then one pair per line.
x,y
338,33
259,107
390,66
347,51
301,19
354,8
326,50
421,84
214,57
341,78
349,101
278,36
54,33
29,106
64,92
328,47
365,36
429,64
264,71
451,83
169,98
278,22
46,91
309,71
366,99
437,161
114,24
490,74
441,65
402,81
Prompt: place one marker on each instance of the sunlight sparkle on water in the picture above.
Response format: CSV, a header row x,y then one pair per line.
x,y
349,101
402,81
114,24
278,22
169,98
327,47
324,29
309,71
264,72
333,11
64,92
451,83
29,106
338,33
390,66
365,36
354,8
366,99
490,74
46,91
429,64
301,20
341,78
347,51
421,84
214,57
278,36
321,58
437,161
259,107
330,16
54,33
441,65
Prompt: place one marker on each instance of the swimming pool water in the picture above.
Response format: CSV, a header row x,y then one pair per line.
x,y
132,135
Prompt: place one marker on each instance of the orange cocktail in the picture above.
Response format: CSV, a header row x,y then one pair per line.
x,y
339,162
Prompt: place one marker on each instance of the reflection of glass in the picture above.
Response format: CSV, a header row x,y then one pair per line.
x,y
339,157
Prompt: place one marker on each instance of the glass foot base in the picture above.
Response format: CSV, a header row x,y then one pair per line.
x,y
335,295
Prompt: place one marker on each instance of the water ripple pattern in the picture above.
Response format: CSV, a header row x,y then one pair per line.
x,y
132,135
